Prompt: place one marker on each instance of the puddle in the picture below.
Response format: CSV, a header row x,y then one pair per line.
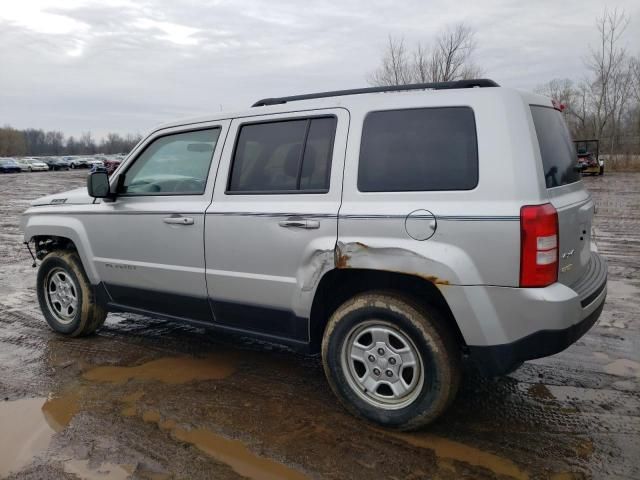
x,y
235,454
168,370
58,411
230,452
601,356
584,449
623,368
567,476
541,392
450,450
105,471
27,428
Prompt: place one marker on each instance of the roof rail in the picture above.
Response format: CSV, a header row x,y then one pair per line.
x,y
480,82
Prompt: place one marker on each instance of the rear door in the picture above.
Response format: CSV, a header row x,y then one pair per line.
x,y
566,192
274,211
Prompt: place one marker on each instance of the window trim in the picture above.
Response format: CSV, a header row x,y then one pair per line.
x,y
121,176
309,119
477,163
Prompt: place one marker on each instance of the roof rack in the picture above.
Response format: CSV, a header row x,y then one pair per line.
x,y
475,83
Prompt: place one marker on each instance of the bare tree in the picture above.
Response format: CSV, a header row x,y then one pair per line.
x,y
635,77
452,54
564,91
395,68
450,57
424,69
610,87
559,89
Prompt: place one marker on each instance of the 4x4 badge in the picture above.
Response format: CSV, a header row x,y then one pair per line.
x,y
569,253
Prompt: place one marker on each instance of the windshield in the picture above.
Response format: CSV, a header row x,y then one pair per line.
x,y
558,152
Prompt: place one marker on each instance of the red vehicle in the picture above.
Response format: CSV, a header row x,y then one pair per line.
x,y
111,164
589,160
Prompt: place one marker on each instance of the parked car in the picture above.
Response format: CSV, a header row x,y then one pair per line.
x,y
24,166
393,232
77,162
111,164
56,163
94,162
9,165
36,165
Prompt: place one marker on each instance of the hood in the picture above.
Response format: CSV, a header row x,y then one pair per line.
x,y
78,196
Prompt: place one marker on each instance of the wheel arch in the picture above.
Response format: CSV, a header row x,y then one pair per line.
x,y
61,232
338,285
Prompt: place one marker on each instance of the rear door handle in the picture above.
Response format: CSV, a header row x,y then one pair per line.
x,y
300,223
178,220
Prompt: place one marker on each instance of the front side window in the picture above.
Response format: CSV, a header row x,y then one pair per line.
x,y
423,149
285,156
175,164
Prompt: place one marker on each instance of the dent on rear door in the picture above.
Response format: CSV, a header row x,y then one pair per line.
x,y
266,252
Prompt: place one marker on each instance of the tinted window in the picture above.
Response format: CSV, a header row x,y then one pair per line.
x,y
418,150
173,164
556,148
293,155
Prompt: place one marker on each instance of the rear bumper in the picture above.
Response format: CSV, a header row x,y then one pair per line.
x,y
500,359
505,326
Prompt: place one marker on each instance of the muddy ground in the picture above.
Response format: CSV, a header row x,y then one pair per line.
x,y
148,399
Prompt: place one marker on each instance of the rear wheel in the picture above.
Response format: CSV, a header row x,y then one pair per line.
x,y
66,297
391,361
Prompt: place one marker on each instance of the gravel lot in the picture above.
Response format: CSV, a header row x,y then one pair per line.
x,y
148,399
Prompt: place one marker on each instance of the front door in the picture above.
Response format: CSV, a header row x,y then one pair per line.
x,y
148,243
273,220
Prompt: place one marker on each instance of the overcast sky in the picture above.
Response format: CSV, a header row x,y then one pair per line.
x,y
124,66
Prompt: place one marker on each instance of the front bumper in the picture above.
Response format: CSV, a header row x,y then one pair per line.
x,y
506,326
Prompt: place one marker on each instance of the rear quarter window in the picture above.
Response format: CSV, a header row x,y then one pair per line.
x,y
559,158
424,149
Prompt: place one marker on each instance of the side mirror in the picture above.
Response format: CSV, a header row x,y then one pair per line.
x,y
98,184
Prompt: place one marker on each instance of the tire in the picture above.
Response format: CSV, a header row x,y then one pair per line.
x,y
382,326
74,311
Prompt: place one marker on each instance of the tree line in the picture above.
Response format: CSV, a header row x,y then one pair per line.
x,y
604,104
37,142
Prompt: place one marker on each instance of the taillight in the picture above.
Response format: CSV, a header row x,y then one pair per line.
x,y
538,245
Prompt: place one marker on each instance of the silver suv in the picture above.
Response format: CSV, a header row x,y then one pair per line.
x,y
395,230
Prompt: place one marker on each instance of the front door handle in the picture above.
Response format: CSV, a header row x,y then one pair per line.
x,y
300,223
178,220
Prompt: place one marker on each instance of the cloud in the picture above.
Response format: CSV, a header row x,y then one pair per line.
x,y
126,65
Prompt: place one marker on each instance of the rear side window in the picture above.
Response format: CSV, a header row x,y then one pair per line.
x,y
419,150
558,152
286,156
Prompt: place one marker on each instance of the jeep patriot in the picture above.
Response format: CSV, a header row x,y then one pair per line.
x,y
395,230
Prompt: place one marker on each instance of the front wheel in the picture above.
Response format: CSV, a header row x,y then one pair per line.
x,y
66,297
390,360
